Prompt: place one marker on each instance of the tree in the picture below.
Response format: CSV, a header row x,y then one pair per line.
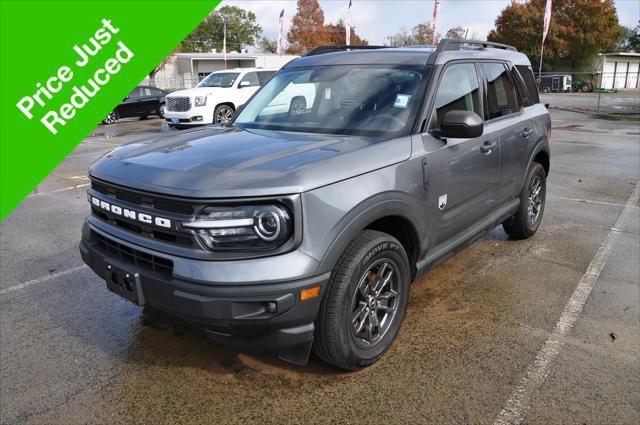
x,y
579,30
421,34
629,39
242,31
307,27
337,35
457,33
267,45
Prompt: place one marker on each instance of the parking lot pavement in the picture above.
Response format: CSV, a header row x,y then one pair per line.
x,y
545,330
622,102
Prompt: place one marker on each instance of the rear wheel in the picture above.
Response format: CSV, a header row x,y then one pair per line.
x,y
527,218
365,302
223,114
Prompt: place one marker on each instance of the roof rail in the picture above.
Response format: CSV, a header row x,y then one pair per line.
x,y
448,44
331,49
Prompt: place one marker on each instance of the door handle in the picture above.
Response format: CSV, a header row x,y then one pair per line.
x,y
526,133
487,147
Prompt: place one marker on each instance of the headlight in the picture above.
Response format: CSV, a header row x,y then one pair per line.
x,y
249,227
201,100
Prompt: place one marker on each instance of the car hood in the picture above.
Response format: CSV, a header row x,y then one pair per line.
x,y
196,91
213,162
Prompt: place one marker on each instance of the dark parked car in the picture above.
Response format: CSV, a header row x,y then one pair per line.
x,y
141,102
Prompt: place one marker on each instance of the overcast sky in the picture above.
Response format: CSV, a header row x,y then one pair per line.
x,y
375,20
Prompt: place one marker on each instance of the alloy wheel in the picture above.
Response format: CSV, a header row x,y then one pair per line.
x,y
224,115
375,302
534,206
110,119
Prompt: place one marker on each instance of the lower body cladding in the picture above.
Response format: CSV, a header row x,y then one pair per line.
x,y
254,317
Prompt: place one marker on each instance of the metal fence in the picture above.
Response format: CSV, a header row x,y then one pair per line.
x,y
622,102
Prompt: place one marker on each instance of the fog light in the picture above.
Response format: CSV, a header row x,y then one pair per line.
x,y
309,293
272,307
198,118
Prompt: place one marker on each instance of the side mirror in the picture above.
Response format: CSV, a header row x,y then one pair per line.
x,y
244,84
461,125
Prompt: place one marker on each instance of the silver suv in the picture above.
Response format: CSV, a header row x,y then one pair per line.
x,y
301,225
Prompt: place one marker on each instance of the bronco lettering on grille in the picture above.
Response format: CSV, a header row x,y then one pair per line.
x,y
131,214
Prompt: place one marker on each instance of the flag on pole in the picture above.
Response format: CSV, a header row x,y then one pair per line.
x,y
279,50
545,30
348,29
224,39
547,19
436,8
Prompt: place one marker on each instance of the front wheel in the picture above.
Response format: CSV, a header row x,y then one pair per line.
x,y
111,118
527,218
365,302
223,114
161,110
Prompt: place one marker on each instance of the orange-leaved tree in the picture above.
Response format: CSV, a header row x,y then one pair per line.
x,y
580,29
307,27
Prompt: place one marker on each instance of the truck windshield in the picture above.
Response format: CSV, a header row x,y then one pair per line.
x,y
363,100
219,79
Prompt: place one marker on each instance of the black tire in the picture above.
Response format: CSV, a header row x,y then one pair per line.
x,y
336,339
112,118
223,114
161,110
525,223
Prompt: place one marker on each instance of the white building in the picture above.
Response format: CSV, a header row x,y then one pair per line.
x,y
186,70
620,70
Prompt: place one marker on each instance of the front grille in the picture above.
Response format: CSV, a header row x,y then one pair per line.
x,y
178,104
149,262
142,200
149,203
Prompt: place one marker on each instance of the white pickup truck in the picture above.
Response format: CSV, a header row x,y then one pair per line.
x,y
216,98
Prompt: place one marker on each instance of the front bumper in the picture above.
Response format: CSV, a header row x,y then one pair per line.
x,y
238,315
195,116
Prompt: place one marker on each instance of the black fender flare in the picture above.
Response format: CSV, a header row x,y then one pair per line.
x,y
382,205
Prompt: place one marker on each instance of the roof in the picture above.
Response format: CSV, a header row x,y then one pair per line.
x,y
633,54
220,56
243,70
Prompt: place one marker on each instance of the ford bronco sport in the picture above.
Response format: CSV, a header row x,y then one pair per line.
x,y
299,229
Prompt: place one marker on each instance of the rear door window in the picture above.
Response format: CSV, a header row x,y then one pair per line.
x,y
501,99
263,76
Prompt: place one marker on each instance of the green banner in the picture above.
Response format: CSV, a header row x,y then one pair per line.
x,y
64,65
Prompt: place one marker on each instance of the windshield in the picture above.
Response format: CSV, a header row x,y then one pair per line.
x,y
219,79
345,99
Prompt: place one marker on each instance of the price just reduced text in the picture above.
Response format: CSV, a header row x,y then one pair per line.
x,y
81,94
